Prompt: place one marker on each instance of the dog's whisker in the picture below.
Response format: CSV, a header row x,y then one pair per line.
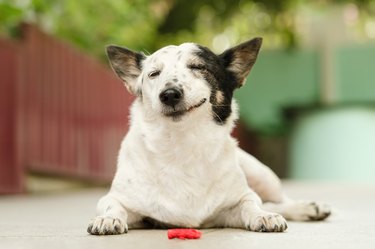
x,y
218,117
221,105
146,52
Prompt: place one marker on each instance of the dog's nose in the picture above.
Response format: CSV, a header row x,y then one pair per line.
x,y
171,96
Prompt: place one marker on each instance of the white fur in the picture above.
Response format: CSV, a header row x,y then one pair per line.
x,y
186,173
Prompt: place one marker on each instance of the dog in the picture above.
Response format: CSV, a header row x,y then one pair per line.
x,y
178,165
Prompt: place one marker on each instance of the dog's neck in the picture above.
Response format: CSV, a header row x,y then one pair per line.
x,y
161,136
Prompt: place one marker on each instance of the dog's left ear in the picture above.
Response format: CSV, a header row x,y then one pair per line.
x,y
127,65
240,59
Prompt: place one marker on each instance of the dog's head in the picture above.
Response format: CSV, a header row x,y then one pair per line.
x,y
177,81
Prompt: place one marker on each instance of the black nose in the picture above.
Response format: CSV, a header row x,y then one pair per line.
x,y
171,96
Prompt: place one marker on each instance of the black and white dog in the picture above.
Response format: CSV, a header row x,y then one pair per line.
x,y
178,166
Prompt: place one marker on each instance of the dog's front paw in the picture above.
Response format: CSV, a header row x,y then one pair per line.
x,y
106,226
314,211
267,222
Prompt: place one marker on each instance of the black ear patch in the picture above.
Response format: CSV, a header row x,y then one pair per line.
x,y
226,72
127,65
240,59
221,81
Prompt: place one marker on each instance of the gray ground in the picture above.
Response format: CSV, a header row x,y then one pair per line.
x,y
59,221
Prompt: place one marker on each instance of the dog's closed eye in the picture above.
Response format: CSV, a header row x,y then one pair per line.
x,y
154,74
197,67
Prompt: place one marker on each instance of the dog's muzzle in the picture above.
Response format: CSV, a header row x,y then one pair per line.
x,y
174,106
181,111
171,96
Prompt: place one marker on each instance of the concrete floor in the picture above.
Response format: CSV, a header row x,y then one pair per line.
x,y
59,221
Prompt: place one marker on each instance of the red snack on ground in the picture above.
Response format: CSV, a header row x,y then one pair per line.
x,y
184,233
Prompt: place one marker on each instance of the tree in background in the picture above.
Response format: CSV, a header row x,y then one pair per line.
x,y
149,24
88,24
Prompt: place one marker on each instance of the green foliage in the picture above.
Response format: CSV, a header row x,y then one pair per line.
x,y
10,17
148,24
122,22
89,24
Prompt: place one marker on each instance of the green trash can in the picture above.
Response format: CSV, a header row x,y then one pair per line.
x,y
334,144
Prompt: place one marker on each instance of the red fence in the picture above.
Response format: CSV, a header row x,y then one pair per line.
x,y
10,169
61,111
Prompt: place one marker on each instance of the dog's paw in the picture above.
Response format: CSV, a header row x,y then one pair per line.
x,y
309,211
316,210
106,226
267,222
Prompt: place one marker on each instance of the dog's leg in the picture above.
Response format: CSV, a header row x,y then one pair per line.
x,y
299,210
248,214
267,185
112,218
260,178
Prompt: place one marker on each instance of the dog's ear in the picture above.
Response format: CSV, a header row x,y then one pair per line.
x,y
241,58
126,64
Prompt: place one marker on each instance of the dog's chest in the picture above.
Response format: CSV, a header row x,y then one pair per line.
x,y
179,184
179,197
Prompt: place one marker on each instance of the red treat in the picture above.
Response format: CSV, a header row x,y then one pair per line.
x,y
184,233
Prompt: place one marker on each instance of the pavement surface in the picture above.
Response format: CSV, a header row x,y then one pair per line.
x,y
59,220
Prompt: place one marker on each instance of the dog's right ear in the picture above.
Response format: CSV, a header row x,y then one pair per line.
x,y
126,64
240,59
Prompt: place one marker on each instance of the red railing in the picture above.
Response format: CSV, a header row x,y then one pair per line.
x,y
11,179
63,112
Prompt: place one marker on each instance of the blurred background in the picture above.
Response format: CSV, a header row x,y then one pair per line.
x,y
307,109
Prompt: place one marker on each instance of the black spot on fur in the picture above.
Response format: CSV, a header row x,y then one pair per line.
x,y
219,79
139,94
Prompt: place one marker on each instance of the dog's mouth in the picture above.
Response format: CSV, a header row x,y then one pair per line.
x,y
179,112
